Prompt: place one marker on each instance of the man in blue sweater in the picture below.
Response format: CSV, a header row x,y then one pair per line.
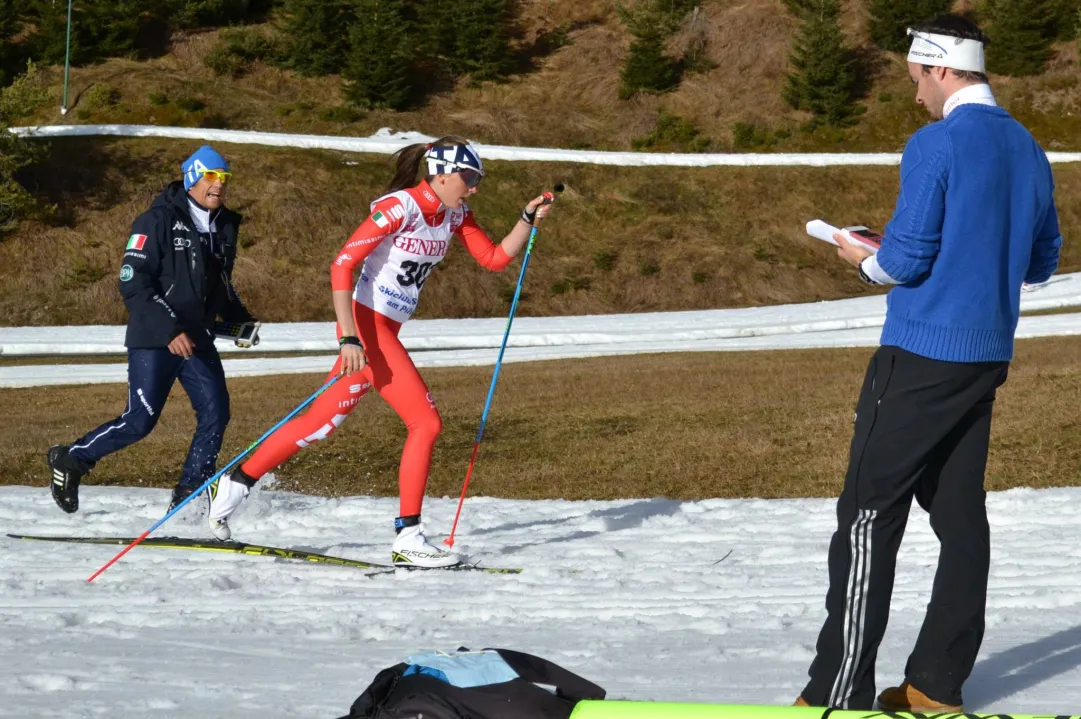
x,y
974,220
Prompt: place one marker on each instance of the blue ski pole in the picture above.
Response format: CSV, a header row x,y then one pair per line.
x,y
449,541
220,472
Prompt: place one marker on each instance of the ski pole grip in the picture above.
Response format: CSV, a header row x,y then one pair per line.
x,y
529,216
549,197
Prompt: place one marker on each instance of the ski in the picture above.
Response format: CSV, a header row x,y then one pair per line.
x,y
213,545
609,709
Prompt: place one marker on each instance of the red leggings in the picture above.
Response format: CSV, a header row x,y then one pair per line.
x,y
396,379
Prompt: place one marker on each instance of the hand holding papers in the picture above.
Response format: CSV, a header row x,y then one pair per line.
x,y
856,235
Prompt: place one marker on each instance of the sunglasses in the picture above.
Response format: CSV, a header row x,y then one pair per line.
x,y
471,178
212,175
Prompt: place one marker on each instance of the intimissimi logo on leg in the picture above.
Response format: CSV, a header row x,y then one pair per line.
x,y
323,432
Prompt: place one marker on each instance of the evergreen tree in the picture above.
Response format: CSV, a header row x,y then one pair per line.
x,y
318,35
797,7
379,66
466,36
9,28
20,98
1021,35
99,28
1064,14
208,13
664,16
825,70
482,31
646,67
15,153
890,20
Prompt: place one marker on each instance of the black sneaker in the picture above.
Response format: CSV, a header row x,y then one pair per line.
x,y
183,491
67,472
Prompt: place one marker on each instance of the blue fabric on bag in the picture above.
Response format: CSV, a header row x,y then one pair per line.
x,y
427,671
462,669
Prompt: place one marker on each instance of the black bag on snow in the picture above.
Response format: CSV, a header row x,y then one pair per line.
x,y
406,691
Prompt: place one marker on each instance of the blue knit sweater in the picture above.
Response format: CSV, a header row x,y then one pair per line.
x,y
974,219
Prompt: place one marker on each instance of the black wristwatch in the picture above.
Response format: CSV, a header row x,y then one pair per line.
x,y
865,277
349,340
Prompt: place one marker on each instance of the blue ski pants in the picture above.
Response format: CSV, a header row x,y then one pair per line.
x,y
151,375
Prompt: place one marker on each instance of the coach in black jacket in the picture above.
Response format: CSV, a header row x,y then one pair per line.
x,y
176,280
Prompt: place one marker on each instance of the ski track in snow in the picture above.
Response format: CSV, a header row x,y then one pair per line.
x,y
853,322
637,595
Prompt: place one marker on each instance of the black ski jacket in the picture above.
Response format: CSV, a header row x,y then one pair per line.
x,y
171,282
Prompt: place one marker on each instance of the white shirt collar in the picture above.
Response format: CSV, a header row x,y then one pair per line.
x,y
201,217
971,95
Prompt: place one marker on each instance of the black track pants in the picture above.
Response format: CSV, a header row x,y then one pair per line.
x,y
922,429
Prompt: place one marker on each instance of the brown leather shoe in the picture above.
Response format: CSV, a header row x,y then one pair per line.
x,y
907,698
801,702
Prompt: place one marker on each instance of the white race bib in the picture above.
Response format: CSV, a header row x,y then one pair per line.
x,y
395,272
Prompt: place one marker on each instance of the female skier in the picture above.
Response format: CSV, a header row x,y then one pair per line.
x,y
406,235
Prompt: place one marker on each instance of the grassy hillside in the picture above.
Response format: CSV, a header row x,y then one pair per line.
x,y
621,239
565,94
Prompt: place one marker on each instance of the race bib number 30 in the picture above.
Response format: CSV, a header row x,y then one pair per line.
x,y
414,273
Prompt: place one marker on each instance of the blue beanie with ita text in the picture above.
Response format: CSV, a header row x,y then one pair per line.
x,y
203,159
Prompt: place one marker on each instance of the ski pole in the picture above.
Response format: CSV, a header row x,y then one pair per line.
x,y
449,541
220,472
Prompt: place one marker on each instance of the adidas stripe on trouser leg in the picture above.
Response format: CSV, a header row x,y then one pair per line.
x,y
912,413
151,375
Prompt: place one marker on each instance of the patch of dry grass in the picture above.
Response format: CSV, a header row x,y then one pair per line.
x,y
621,239
685,426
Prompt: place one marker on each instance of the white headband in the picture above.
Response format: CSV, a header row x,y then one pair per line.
x,y
936,50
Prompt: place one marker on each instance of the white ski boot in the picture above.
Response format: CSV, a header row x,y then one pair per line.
x,y
412,549
226,494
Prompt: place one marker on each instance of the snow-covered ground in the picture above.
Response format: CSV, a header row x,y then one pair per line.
x,y
717,600
386,141
852,322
